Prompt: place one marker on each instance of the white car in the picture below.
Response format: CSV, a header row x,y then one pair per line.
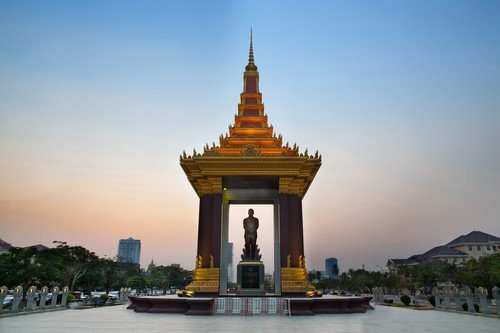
x,y
113,295
7,301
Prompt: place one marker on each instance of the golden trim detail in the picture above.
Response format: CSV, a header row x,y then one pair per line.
x,y
294,279
205,280
295,173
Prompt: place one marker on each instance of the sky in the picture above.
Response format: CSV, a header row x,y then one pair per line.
x,y
99,98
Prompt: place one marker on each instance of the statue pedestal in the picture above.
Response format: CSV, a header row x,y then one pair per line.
x,y
250,278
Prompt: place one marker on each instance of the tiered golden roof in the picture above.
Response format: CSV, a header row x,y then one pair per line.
x,y
251,135
247,149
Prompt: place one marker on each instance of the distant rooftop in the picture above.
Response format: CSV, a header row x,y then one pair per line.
x,y
39,247
442,250
475,237
4,245
409,261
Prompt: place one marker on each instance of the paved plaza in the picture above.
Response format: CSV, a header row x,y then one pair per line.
x,y
119,319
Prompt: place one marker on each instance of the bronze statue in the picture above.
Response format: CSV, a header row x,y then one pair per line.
x,y
251,224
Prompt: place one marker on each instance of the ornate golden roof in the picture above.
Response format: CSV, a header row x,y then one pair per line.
x,y
251,148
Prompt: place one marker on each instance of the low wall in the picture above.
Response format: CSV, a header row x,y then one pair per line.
x,y
459,300
40,300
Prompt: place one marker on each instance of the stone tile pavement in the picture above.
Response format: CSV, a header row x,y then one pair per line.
x,y
119,319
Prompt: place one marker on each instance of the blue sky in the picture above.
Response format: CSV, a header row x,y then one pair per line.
x,y
98,98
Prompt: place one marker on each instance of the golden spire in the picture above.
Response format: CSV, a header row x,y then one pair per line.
x,y
250,54
251,66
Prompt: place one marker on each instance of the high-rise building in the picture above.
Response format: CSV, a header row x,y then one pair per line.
x,y
332,268
230,266
129,250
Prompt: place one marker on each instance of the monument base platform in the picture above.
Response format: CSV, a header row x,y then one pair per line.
x,y
299,306
172,304
327,305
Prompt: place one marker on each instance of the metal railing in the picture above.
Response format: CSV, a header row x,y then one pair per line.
x,y
247,306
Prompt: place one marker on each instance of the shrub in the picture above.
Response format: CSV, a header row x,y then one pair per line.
x,y
465,307
388,301
104,297
405,299
71,298
432,300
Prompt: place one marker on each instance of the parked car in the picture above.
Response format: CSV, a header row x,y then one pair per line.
x,y
113,295
48,299
7,302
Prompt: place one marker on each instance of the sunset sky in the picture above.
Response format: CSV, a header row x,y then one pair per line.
x,y
99,98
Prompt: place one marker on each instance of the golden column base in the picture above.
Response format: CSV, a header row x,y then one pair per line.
x,y
205,280
294,280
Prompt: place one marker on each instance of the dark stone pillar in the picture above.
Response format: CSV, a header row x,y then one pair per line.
x,y
205,229
291,229
295,237
209,228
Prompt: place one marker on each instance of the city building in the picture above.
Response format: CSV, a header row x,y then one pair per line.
x,y
230,267
129,250
475,244
269,282
332,268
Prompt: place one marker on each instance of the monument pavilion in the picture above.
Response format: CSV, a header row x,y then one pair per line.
x,y
250,165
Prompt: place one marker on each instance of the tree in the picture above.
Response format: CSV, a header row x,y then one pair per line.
x,y
103,274
158,279
314,276
125,270
109,273
390,281
344,281
448,273
91,280
484,272
326,283
335,270
26,267
426,276
136,282
165,277
77,260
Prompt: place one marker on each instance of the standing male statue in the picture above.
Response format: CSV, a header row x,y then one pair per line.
x,y
250,224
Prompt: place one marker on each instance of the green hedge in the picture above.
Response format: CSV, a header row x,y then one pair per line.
x,y
406,300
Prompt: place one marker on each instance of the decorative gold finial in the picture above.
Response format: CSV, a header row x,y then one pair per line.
x,y
199,262
301,263
211,261
288,261
250,55
251,66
